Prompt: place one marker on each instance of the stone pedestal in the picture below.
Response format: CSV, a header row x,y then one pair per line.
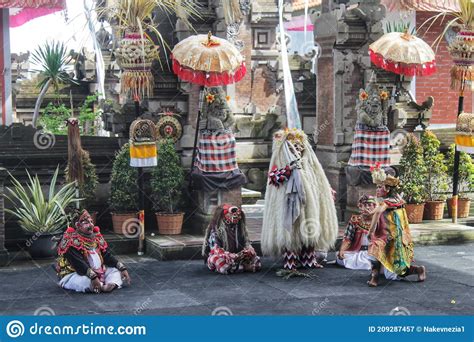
x,y
206,202
359,182
4,257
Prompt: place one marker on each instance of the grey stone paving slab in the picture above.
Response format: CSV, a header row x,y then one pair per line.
x,y
188,288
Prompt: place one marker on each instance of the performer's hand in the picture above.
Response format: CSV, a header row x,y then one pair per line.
x,y
340,255
126,277
96,285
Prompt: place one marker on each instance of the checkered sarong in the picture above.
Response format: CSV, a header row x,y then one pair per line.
x,y
216,151
370,147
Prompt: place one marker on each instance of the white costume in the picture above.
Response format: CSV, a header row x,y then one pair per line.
x,y
300,216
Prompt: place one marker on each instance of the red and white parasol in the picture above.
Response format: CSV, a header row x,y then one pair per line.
x,y
208,61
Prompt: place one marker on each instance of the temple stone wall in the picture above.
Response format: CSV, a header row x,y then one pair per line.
x,y
343,68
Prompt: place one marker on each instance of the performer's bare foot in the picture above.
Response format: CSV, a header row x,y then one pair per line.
x,y
374,278
108,287
372,282
421,273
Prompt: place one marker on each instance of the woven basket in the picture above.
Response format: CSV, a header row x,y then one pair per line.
x,y
434,210
415,212
464,206
169,224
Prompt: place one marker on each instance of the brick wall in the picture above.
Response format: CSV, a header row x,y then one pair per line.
x,y
438,84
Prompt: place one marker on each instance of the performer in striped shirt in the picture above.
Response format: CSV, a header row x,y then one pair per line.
x,y
226,248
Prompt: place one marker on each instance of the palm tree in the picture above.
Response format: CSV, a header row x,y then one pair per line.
x,y
52,60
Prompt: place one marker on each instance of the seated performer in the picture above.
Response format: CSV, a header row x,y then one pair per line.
x,y
353,251
84,262
226,247
391,246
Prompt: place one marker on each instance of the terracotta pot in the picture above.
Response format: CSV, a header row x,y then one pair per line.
x,y
464,206
119,221
415,212
169,224
434,210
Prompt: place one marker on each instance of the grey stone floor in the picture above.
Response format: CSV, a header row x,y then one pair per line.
x,y
188,288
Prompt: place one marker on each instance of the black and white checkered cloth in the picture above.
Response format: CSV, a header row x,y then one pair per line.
x,y
370,147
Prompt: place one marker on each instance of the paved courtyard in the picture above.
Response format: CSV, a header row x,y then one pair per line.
x,y
188,288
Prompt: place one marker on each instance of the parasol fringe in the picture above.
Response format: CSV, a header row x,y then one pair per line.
x,y
425,69
210,79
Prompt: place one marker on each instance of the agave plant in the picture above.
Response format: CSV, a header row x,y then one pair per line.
x,y
37,213
52,59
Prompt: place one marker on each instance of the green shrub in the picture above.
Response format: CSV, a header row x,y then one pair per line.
x,y
124,189
436,169
413,171
167,179
466,171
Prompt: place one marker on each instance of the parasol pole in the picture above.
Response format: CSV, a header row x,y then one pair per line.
x,y
141,197
454,209
196,135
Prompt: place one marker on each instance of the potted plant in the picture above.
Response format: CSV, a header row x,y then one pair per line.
x,y
436,176
124,191
466,181
413,178
42,217
167,187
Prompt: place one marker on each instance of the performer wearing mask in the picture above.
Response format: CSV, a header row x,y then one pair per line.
x,y
353,252
300,217
226,248
84,262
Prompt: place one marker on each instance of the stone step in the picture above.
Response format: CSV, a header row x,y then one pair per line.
x,y
250,197
185,247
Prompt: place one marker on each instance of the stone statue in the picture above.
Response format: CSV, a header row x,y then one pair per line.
x,y
371,107
79,64
371,143
103,38
216,113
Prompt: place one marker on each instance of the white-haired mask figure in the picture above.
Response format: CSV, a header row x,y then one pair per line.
x,y
300,217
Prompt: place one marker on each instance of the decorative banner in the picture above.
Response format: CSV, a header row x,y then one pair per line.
x,y
169,127
462,52
143,150
135,55
292,114
464,133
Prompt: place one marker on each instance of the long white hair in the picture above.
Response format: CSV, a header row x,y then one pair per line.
x,y
317,225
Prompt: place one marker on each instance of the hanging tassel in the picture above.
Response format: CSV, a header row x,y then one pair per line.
x,y
460,75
